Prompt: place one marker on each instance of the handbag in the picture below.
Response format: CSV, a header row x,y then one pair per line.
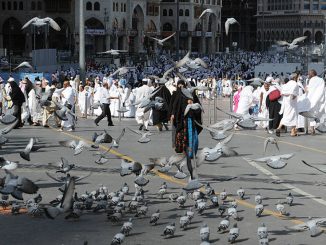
x,y
274,95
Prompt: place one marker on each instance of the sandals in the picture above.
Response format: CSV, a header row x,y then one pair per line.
x,y
294,132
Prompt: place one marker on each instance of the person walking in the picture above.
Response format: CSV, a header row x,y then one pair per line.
x,y
103,93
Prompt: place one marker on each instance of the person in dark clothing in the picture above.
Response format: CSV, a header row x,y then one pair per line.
x,y
17,98
186,130
274,107
161,116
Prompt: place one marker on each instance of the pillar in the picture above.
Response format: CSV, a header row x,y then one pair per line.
x,y
107,41
189,42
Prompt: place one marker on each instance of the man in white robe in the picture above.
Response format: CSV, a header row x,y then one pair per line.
x,y
289,109
263,110
68,97
245,101
141,117
84,99
315,98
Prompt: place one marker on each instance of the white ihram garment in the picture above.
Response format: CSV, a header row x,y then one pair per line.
x,y
289,108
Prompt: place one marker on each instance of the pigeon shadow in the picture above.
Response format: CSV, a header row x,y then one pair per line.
x,y
136,234
175,236
241,240
282,232
214,240
191,228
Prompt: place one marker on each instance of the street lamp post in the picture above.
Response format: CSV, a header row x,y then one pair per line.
x,y
178,31
81,41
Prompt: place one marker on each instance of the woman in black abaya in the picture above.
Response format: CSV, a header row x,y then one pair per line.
x,y
18,99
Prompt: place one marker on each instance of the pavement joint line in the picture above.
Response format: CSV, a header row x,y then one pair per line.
x,y
289,186
183,183
285,142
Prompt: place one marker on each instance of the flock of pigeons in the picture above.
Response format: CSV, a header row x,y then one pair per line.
x,y
120,205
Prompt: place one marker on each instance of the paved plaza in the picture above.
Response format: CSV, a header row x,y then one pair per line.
x,y
306,184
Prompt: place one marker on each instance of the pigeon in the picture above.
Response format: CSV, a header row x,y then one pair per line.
x,y
184,222
181,200
42,22
66,203
206,11
259,209
17,185
193,64
105,137
144,136
232,212
201,206
162,190
275,162
312,225
142,211
228,22
241,193
8,165
113,52
67,177
281,209
223,195
263,241
64,166
293,44
25,153
161,41
7,119
120,71
193,184
129,167
262,232
127,227
104,158
169,230
233,233
224,225
125,188
15,208
271,140
155,217
24,64
115,142
78,147
215,133
321,127
289,199
190,213
258,199
163,79
118,239
7,129
204,233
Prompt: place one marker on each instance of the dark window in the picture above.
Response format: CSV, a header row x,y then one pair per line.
x,y
181,12
15,6
39,5
33,6
167,27
88,6
117,7
124,8
3,5
97,6
170,12
113,6
21,6
165,12
187,12
9,5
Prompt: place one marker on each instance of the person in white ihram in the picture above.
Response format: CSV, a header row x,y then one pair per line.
x,y
68,97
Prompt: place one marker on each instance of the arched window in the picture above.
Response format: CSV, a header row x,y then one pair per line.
x,y
88,6
117,7
167,27
180,12
170,12
21,6
3,5
113,6
125,8
165,12
15,6
184,26
39,5
187,12
9,5
97,6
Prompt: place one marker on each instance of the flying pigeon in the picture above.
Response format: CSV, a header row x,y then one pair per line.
x,y
24,64
8,165
25,153
161,41
113,52
275,162
228,22
115,142
78,147
293,44
211,11
311,225
271,140
144,136
8,119
41,22
64,166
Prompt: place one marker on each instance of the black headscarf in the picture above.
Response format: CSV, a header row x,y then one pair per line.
x,y
16,94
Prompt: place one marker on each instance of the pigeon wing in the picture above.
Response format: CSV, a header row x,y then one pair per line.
x,y
8,128
298,40
52,177
52,23
286,156
30,22
167,38
67,200
69,143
